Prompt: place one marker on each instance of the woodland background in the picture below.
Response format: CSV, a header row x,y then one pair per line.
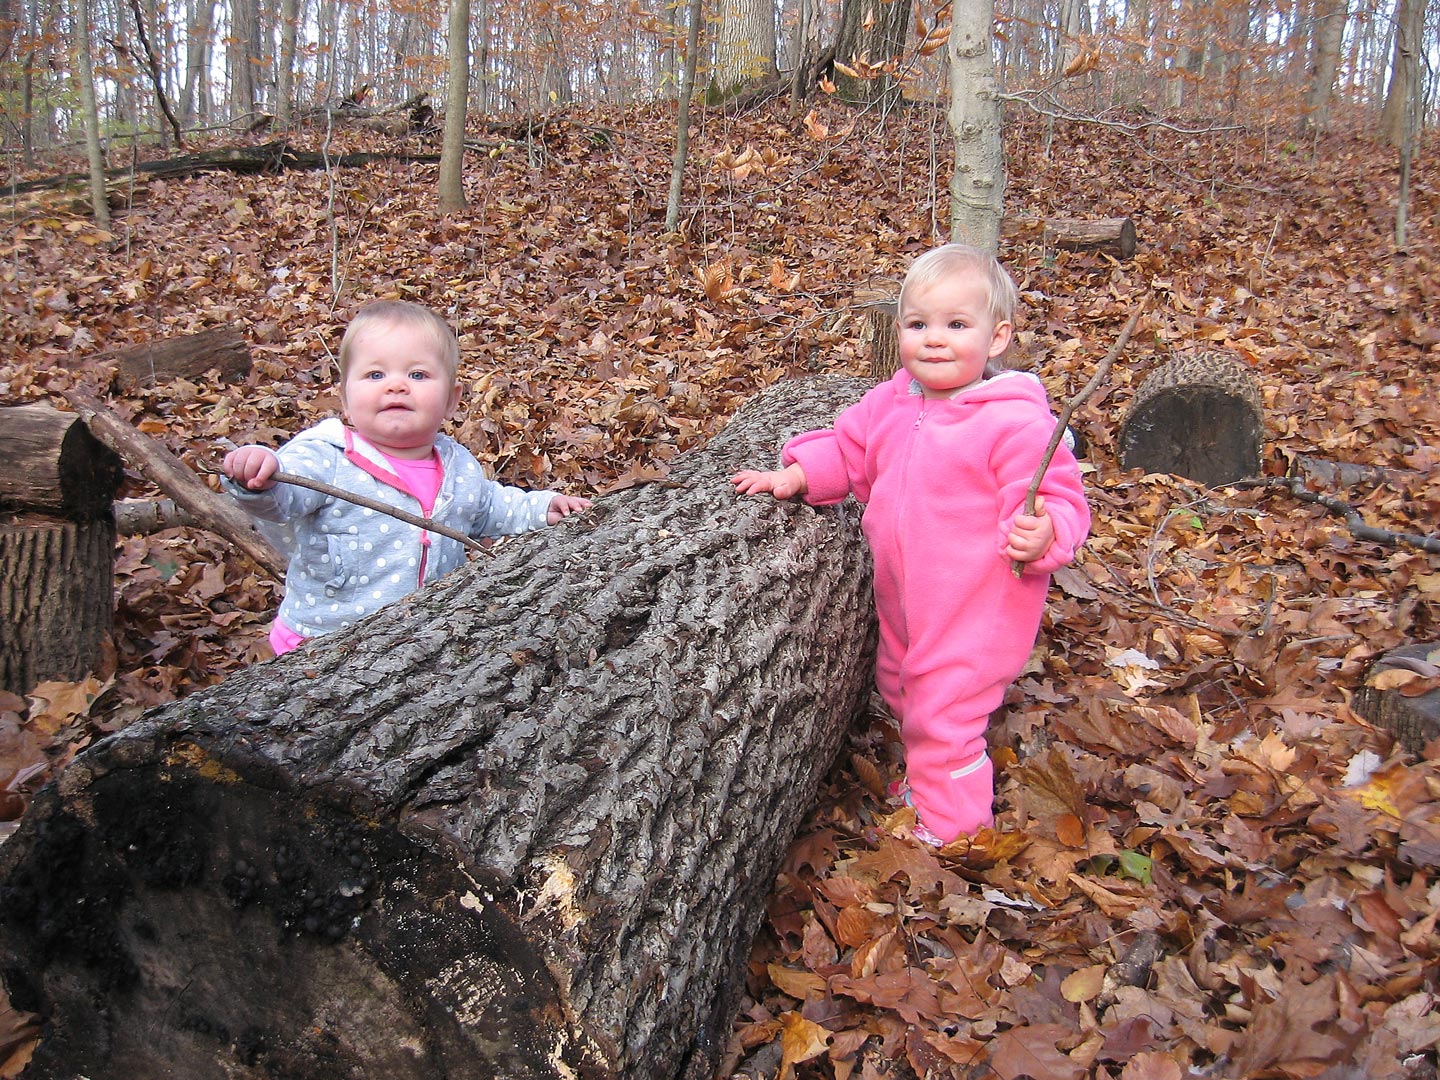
x,y
1183,785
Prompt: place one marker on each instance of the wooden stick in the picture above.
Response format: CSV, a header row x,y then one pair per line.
x,y
428,524
1016,566
153,461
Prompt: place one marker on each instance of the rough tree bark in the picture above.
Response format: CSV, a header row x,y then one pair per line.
x,y
521,824
57,544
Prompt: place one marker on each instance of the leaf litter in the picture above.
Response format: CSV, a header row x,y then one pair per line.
x,y
1206,864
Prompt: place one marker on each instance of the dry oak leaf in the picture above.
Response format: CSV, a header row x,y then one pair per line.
x,y
1284,1032
800,1040
1031,1051
801,985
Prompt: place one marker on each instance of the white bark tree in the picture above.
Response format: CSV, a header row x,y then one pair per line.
x,y
977,184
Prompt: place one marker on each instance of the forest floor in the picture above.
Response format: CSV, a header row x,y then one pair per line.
x,y
1206,864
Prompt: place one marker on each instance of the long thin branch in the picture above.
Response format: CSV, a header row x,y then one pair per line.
x,y
1082,396
428,524
1356,524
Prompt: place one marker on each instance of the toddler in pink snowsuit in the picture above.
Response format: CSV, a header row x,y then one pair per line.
x,y
943,455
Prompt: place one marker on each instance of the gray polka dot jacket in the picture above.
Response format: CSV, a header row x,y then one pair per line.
x,y
347,561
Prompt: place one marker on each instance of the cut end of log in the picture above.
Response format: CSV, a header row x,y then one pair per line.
x,y
1414,721
253,932
1196,416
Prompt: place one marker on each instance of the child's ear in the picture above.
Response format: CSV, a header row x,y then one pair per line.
x,y
1000,340
457,392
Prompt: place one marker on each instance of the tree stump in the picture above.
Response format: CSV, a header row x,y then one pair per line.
x,y
1197,416
57,546
1414,721
879,308
1109,236
188,356
521,824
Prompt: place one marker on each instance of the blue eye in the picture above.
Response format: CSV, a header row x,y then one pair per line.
x,y
957,325
419,375
374,376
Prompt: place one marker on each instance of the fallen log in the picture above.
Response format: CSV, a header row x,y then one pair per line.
x,y
1109,236
57,546
209,509
189,356
521,824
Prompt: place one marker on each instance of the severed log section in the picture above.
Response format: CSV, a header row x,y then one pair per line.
x,y
1197,416
1109,236
1414,721
521,824
880,308
57,546
222,349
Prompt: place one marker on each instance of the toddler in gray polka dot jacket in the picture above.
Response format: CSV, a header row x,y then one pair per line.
x,y
398,365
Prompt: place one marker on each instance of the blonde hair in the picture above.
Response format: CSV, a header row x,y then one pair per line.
x,y
963,259
386,314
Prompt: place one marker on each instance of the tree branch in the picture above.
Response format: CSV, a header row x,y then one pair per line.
x,y
1016,566
1356,524
428,524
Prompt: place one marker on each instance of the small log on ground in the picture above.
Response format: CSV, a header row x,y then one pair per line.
x,y
522,824
1109,236
210,509
1414,721
1196,416
57,546
188,356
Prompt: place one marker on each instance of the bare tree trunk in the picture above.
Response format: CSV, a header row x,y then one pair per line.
x,y
977,184
1327,33
799,90
452,150
682,117
285,76
744,46
522,825
85,77
870,35
1404,70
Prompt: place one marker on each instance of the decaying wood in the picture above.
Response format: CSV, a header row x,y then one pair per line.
x,y
1359,528
141,517
57,542
54,465
521,824
1414,721
1109,236
1321,473
167,472
271,157
189,356
1197,416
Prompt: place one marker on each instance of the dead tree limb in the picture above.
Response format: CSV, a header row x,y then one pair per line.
x,y
1063,424
167,472
523,823
1357,525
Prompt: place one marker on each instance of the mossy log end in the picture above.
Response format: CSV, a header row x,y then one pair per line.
x,y
522,824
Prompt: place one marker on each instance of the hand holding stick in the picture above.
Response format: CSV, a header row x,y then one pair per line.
x,y
1016,567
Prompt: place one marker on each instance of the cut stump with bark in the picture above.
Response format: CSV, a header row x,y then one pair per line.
x,y
1414,721
521,824
57,546
1196,416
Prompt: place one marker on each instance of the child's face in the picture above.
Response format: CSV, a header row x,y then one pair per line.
x,y
397,391
947,335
